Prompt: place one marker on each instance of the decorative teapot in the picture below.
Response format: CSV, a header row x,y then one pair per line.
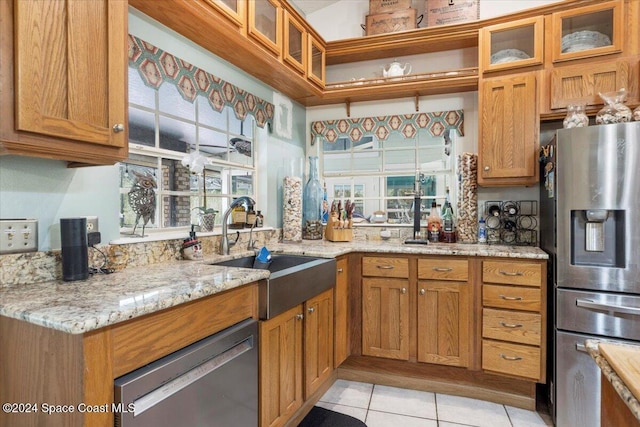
x,y
396,69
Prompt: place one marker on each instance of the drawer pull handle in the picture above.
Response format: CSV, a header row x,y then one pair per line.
x,y
513,358
511,298
511,273
442,269
581,347
511,325
404,290
385,267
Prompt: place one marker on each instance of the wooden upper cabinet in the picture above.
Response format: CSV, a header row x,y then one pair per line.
x,y
265,24
508,145
234,10
70,76
587,31
316,54
512,45
295,43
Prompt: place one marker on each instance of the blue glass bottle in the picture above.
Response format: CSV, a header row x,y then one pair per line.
x,y
312,204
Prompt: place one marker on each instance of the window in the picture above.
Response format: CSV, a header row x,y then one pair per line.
x,y
164,127
380,174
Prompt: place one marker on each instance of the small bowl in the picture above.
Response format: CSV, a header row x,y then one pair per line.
x,y
378,217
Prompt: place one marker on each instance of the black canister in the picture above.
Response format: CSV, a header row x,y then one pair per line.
x,y
75,257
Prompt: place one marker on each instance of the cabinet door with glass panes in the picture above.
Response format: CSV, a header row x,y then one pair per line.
x,y
380,175
316,56
186,159
235,11
511,45
265,24
587,31
295,43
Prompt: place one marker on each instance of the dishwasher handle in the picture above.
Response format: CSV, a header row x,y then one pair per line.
x,y
587,303
170,388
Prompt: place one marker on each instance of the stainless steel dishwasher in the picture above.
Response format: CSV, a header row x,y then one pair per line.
x,y
211,383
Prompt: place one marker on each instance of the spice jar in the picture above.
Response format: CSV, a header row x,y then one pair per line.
x,y
614,110
576,117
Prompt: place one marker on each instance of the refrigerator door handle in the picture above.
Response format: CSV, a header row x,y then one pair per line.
x,y
587,303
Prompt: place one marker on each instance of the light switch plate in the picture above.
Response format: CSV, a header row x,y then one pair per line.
x,y
18,235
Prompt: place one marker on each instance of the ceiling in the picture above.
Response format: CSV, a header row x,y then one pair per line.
x,y
310,6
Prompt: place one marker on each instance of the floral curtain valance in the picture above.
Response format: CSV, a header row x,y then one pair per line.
x,y
436,123
157,67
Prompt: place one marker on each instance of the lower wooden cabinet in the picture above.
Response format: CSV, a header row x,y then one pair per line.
x,y
385,317
513,318
296,357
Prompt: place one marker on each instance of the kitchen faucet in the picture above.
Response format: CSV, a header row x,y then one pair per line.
x,y
225,245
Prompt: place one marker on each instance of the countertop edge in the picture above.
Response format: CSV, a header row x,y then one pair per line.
x,y
610,374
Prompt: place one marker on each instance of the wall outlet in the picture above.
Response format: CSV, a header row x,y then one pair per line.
x,y
92,224
18,235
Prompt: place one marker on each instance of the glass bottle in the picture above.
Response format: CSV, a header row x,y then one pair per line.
x,y
238,217
251,217
312,204
259,220
448,226
434,224
325,204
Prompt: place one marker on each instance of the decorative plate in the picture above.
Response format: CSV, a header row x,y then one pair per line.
x,y
508,55
583,40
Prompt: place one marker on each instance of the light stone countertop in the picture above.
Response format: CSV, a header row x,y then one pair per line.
x,y
610,374
82,306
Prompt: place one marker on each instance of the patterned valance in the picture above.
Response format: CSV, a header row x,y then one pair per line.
x,y
157,67
381,127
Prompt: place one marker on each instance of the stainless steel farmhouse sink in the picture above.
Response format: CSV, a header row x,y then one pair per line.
x,y
293,280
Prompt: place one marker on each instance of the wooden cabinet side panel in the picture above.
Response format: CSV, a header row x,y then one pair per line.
x,y
40,365
148,338
280,367
341,312
98,375
385,318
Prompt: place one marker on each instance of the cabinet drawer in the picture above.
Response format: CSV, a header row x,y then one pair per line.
x,y
443,269
512,297
385,267
512,359
522,328
512,273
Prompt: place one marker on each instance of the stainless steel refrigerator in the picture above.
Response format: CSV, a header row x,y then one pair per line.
x,y
590,226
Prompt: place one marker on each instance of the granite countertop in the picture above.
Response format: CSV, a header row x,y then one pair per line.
x,y
102,300
610,374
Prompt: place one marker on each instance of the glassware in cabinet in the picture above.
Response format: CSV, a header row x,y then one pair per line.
x,y
511,45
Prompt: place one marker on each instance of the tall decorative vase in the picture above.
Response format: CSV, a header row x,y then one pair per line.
x,y
312,204
292,201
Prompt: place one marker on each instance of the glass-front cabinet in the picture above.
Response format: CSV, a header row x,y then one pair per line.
x,y
295,43
587,31
265,18
511,45
316,66
234,10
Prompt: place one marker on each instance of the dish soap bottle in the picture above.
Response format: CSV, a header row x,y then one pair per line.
x,y
482,231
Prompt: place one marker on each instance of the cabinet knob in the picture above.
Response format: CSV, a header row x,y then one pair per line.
x,y
487,168
117,128
340,270
403,290
422,291
299,316
311,309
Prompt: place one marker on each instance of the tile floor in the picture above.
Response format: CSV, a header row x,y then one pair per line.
x,y
383,406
